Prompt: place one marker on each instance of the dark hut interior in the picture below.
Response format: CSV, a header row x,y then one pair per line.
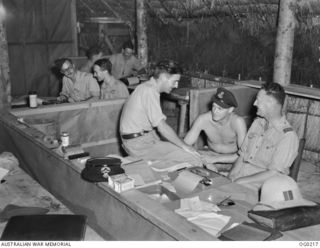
x,y
230,43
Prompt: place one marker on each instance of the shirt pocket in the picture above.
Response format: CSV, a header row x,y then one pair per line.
x,y
250,143
266,151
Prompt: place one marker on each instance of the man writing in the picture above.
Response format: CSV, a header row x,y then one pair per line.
x,y
225,130
271,144
77,86
125,64
142,116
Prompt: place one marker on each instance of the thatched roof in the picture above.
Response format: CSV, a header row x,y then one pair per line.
x,y
180,9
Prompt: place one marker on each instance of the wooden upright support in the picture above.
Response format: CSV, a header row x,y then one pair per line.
x,y
284,42
5,86
142,32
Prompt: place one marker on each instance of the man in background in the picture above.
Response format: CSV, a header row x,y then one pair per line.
x,y
77,86
271,144
110,88
125,64
225,131
93,54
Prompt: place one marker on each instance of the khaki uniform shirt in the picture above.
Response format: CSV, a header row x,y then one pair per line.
x,y
123,68
142,110
84,87
115,90
270,148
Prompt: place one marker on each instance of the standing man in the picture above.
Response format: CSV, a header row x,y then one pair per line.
x,y
110,88
125,64
142,114
271,144
77,86
224,129
93,54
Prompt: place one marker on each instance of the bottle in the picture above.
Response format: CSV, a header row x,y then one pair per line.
x,y
64,139
33,99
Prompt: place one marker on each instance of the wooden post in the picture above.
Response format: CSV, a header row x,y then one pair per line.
x,y
142,32
5,86
284,42
75,50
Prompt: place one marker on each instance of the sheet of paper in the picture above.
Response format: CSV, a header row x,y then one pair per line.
x,y
133,80
141,168
186,182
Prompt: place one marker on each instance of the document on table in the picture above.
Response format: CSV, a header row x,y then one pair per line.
x,y
186,182
201,213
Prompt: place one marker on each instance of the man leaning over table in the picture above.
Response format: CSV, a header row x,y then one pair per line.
x,y
77,86
142,118
271,144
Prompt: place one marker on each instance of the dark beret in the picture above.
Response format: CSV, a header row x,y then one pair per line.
x,y
224,98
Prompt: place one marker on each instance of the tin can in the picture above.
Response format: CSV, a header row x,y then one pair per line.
x,y
33,100
65,139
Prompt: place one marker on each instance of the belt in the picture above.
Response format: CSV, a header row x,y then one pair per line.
x,y
134,135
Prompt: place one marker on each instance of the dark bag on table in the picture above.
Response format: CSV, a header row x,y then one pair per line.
x,y
288,218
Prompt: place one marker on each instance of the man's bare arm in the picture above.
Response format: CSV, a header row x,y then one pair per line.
x,y
193,134
240,127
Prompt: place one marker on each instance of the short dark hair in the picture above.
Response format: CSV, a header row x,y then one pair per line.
x,y
95,50
104,64
167,66
275,90
59,62
127,44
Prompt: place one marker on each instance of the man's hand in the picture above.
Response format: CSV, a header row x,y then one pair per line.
x,y
62,98
207,159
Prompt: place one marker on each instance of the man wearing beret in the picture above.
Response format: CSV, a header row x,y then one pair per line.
x,y
224,129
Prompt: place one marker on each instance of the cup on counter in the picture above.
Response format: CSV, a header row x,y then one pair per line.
x,y
33,103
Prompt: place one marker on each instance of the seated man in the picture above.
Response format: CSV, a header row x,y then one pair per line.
x,y
271,144
142,114
110,87
125,64
93,54
224,129
76,85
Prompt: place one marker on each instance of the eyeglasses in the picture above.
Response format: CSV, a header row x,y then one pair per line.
x,y
66,70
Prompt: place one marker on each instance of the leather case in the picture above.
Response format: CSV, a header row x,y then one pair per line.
x,y
45,227
289,218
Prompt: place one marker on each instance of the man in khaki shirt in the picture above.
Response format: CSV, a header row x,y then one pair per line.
x,y
142,116
110,88
125,64
77,86
271,144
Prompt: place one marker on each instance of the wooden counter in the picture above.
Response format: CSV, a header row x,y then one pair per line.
x,y
127,216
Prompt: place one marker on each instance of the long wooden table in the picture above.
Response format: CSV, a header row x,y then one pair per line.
x,y
131,215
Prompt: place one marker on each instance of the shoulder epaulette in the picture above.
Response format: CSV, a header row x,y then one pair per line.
x,y
287,129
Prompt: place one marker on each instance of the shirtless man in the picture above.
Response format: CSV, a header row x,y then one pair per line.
x,y
224,129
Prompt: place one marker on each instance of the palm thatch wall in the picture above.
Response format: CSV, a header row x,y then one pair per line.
x,y
224,38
